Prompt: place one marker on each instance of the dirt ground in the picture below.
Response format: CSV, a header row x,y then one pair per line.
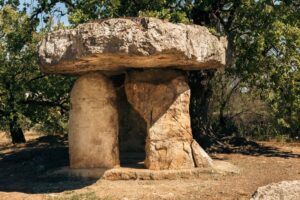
x,y
23,169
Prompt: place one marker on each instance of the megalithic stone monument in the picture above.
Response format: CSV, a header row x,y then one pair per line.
x,y
153,54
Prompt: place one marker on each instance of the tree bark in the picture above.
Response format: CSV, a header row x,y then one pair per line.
x,y
16,131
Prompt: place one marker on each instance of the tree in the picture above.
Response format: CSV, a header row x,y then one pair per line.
x,y
266,38
27,97
15,55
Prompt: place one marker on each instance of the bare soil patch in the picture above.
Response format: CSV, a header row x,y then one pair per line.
x,y
23,169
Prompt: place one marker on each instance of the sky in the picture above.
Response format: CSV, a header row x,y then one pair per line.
x,y
59,6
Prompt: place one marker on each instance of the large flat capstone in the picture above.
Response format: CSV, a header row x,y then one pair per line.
x,y
113,45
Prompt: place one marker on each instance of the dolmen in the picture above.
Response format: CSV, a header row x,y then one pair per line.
x,y
154,55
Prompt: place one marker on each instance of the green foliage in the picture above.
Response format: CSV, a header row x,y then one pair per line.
x,y
83,11
27,97
78,17
15,55
266,43
166,14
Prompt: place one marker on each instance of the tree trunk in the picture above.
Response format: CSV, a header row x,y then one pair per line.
x,y
16,131
201,93
222,122
200,81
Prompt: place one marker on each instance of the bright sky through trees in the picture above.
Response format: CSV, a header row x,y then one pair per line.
x,y
58,10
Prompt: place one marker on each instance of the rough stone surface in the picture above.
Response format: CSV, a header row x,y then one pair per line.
x,y
285,190
221,167
201,158
146,174
162,99
93,123
117,44
122,173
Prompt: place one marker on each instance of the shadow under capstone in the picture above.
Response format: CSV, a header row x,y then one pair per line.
x,y
132,128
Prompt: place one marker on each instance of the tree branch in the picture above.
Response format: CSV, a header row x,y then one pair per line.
x,y
45,103
36,78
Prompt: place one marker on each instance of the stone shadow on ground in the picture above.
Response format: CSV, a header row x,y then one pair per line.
x,y
247,147
25,168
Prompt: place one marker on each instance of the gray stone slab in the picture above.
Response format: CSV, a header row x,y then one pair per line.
x,y
114,45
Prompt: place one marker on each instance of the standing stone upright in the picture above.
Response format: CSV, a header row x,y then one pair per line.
x,y
93,123
162,99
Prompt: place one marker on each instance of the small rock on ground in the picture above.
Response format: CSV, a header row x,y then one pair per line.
x,y
285,190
